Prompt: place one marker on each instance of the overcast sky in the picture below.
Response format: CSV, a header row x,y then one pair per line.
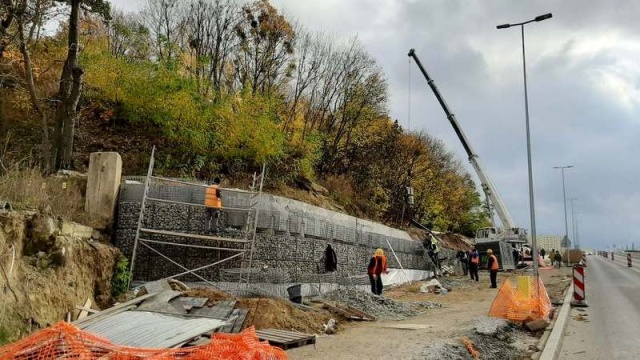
x,y
584,95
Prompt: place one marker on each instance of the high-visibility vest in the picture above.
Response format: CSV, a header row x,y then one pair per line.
x,y
380,265
475,259
212,198
495,265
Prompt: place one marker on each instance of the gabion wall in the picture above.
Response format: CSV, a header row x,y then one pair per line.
x,y
292,245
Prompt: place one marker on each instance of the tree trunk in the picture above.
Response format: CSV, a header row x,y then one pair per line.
x,y
68,95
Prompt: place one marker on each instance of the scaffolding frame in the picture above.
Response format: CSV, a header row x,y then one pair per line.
x,y
248,241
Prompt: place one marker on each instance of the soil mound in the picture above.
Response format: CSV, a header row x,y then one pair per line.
x,y
280,314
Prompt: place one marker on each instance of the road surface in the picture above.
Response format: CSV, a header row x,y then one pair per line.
x,y
609,327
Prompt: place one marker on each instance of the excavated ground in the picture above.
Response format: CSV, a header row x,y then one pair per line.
x,y
44,276
437,333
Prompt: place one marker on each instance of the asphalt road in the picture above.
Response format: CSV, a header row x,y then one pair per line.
x,y
609,327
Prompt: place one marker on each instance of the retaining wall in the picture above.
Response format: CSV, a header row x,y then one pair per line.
x,y
291,235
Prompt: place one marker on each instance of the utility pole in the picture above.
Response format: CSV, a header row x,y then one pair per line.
x,y
566,240
576,245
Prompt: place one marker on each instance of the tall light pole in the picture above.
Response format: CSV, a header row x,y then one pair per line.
x,y
573,224
566,226
534,246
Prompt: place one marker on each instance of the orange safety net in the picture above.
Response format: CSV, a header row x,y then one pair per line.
x,y
513,305
65,341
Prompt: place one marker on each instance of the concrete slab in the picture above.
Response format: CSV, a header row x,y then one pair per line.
x,y
103,183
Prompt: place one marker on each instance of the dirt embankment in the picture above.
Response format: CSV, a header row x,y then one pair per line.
x,y
44,275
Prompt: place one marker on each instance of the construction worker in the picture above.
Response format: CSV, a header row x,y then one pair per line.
x,y
493,266
557,259
463,258
377,266
474,261
213,204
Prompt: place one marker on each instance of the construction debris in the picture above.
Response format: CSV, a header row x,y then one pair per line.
x,y
469,345
493,339
285,339
537,325
379,306
490,326
330,327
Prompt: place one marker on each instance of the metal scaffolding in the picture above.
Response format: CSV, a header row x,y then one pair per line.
x,y
159,190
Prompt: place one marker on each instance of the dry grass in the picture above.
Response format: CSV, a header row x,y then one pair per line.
x,y
27,189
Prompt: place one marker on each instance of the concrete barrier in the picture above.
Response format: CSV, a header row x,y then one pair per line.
x,y
103,184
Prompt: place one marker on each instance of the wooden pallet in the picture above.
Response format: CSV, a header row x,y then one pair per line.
x,y
285,339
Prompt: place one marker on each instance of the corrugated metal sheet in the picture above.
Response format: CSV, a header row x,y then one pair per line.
x,y
151,330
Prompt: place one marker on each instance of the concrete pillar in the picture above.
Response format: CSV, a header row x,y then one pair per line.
x,y
105,170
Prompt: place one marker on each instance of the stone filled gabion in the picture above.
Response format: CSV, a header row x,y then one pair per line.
x,y
297,253
379,306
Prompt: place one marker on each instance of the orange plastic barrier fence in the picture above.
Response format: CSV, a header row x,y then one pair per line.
x,y
64,341
511,304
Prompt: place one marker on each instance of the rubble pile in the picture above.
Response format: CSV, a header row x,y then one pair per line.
x,y
379,306
492,338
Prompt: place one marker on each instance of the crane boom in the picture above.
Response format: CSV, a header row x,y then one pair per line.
x,y
487,185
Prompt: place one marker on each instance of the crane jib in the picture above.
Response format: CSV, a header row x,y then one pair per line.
x,y
487,185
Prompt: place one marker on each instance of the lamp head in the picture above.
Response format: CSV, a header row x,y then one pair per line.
x,y
543,17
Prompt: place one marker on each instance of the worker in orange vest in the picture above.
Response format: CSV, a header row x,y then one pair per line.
x,y
377,266
493,266
213,204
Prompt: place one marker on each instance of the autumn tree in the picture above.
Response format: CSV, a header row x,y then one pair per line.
x,y
165,21
211,31
71,84
7,16
128,37
264,60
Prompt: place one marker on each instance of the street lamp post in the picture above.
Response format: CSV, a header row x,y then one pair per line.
x,y
573,225
564,197
534,246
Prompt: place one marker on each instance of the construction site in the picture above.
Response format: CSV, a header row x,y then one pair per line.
x,y
252,282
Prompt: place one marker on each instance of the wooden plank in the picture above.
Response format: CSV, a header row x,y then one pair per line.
x,y
194,236
285,339
221,311
289,334
157,286
361,313
90,311
112,310
160,303
193,301
227,328
84,313
239,323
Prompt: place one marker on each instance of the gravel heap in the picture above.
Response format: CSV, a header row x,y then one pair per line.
x,y
379,306
494,339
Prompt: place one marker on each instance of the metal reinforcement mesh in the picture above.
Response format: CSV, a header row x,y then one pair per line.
x,y
514,305
64,341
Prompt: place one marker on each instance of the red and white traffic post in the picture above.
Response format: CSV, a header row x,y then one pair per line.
x,y
584,259
579,294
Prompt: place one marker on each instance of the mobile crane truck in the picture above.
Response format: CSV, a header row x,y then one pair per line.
x,y
501,240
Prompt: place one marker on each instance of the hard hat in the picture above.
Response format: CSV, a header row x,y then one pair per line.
x,y
379,252
489,251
